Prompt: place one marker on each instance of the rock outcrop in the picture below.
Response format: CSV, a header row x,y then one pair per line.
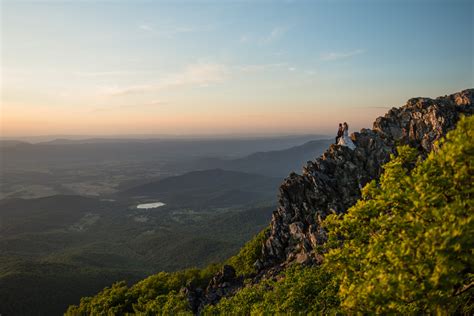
x,y
224,283
332,182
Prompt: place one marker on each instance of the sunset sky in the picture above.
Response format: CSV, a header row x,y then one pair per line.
x,y
224,67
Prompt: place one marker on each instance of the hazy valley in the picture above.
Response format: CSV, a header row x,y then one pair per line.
x,y
69,213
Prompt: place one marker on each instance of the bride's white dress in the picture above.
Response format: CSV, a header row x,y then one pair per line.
x,y
346,141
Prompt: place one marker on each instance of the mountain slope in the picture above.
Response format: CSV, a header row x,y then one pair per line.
x,y
405,248
276,163
48,213
216,187
73,246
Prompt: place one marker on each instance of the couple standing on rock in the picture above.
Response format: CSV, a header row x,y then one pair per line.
x,y
343,136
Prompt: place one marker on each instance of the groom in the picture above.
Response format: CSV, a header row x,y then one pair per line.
x,y
340,132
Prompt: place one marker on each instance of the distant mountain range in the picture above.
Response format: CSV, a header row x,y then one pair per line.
x,y
71,139
208,188
61,152
278,163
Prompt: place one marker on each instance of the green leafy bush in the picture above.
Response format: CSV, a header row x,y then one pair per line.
x,y
243,262
407,245
158,293
299,290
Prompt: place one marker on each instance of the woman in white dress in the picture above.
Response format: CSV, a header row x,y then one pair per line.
x,y
345,140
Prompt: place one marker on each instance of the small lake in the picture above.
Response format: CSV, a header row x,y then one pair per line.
x,y
147,206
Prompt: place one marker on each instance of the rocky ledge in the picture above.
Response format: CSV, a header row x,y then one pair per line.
x,y
332,182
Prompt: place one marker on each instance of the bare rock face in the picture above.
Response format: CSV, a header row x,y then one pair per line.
x,y
224,283
333,181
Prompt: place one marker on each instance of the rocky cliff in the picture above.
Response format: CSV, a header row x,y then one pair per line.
x,y
332,182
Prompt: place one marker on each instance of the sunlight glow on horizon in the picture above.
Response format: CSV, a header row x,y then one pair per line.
x,y
124,67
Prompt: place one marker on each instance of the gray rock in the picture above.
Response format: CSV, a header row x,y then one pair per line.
x,y
224,283
332,183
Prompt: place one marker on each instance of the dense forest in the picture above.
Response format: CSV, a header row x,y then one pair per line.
x,y
405,247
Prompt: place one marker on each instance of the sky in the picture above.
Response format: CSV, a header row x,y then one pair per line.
x,y
224,67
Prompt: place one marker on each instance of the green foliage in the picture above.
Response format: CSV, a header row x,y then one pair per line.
x,y
299,290
157,294
115,248
171,303
406,246
243,262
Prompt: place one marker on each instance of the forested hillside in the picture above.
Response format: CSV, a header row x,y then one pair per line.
x,y
405,247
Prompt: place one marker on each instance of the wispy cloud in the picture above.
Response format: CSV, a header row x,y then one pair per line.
x,y
151,104
102,73
272,36
259,67
167,30
341,55
145,27
244,39
275,34
200,74
118,91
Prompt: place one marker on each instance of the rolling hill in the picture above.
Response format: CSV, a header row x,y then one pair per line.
x,y
275,163
208,188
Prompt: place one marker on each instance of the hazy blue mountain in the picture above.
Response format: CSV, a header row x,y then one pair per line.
x,y
277,163
208,188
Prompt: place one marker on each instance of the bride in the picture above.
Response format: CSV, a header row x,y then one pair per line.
x,y
345,140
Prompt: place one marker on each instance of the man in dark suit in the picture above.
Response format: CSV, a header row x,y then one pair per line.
x,y
340,132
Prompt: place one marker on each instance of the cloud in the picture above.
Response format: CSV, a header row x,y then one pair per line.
x,y
275,34
145,27
259,67
102,73
118,91
244,39
341,55
168,30
154,103
200,74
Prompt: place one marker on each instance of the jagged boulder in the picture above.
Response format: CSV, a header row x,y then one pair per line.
x,y
332,182
224,283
